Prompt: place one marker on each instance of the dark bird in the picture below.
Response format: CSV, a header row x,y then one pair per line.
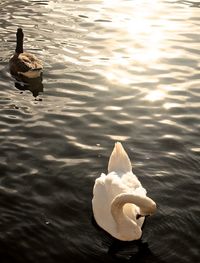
x,y
23,63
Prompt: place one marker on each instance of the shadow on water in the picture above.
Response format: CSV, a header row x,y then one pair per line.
x,y
34,85
136,251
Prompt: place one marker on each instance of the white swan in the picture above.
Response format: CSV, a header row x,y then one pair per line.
x,y
119,201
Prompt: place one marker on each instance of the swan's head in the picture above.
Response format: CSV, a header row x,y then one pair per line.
x,y
149,208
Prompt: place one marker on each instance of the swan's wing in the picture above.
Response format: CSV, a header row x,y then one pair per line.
x,y
132,182
101,203
114,185
100,195
140,191
107,187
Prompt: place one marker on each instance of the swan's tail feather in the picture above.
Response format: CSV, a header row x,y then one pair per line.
x,y
119,161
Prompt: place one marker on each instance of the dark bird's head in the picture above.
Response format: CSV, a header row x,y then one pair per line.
x,y
20,33
20,36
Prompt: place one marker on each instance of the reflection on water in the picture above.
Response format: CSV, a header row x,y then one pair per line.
x,y
32,84
122,70
192,3
136,251
155,95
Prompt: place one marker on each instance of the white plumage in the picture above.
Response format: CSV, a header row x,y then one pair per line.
x,y
119,200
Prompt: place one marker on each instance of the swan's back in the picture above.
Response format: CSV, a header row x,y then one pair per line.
x,y
120,163
108,187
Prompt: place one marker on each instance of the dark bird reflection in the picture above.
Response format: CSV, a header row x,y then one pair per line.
x,y
35,85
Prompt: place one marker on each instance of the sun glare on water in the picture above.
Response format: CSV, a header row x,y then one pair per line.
x,y
143,29
155,95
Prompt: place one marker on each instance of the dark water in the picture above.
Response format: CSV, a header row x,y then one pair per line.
x,y
114,70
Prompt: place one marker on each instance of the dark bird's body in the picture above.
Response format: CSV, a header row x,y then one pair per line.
x,y
23,63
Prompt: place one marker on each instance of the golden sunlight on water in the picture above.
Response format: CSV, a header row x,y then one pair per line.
x,y
155,95
123,70
148,33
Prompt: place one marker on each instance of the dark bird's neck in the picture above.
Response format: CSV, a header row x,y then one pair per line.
x,y
20,37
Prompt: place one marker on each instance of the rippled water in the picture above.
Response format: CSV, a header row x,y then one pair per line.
x,y
114,70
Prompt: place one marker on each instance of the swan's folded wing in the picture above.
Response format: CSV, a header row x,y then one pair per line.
x,y
140,191
134,185
101,203
131,180
106,188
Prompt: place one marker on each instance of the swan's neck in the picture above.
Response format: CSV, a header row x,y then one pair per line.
x,y
19,45
125,225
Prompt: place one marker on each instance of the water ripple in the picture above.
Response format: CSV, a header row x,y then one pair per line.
x,y
124,72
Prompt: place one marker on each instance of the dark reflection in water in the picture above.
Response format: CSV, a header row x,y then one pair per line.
x,y
114,71
34,85
136,251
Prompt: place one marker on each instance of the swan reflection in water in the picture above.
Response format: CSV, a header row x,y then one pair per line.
x,y
35,85
134,252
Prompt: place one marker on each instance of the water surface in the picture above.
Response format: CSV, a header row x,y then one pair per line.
x,y
114,71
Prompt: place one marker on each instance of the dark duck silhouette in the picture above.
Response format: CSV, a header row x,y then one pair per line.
x,y
23,63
